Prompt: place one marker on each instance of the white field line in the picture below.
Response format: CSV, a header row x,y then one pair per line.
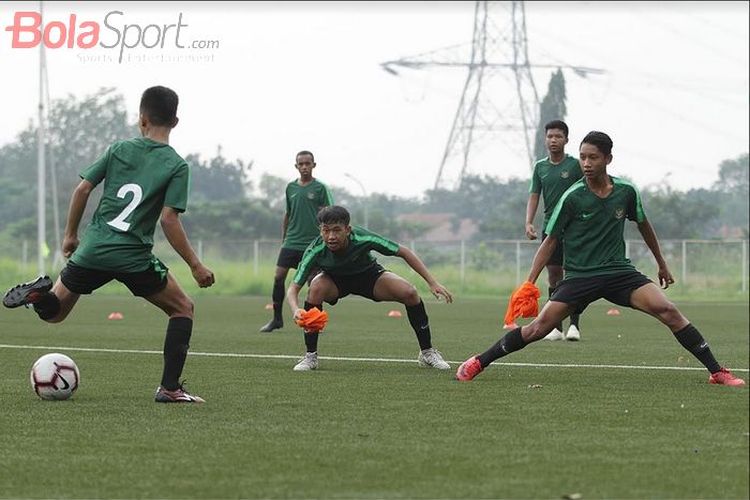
x,y
344,358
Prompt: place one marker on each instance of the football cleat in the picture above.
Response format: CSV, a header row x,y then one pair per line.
x,y
179,395
27,293
469,369
431,358
307,363
574,334
272,325
725,377
554,335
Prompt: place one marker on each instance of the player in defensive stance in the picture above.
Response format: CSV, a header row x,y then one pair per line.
x,y
342,253
591,215
144,180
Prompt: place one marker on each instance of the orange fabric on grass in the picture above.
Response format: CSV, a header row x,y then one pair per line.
x,y
313,320
523,303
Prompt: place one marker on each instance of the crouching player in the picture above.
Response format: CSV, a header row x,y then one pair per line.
x,y
342,253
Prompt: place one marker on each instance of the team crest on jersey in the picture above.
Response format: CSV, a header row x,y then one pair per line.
x,y
310,196
564,174
619,213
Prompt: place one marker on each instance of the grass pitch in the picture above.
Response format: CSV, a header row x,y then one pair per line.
x,y
625,413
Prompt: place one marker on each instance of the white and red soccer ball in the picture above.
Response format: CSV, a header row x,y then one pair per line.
x,y
54,376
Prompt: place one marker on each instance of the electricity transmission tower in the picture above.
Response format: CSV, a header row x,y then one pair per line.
x,y
499,49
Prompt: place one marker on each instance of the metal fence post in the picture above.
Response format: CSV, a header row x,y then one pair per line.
x,y
518,261
684,262
256,257
463,264
24,255
744,265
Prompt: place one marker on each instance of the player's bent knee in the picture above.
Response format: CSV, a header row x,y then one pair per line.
x,y
410,296
184,306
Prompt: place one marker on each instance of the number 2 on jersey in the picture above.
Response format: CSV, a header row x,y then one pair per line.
x,y
119,221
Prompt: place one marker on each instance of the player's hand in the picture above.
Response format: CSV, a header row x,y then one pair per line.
x,y
69,246
665,277
439,290
203,276
530,231
298,313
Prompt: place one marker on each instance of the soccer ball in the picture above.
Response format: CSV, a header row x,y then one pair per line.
x,y
54,376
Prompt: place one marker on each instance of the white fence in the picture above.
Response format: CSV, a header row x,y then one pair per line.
x,y
697,263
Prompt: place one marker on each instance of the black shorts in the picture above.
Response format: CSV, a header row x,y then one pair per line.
x,y
362,284
616,288
289,258
83,280
556,259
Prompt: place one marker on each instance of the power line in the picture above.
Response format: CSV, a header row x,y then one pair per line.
x,y
478,114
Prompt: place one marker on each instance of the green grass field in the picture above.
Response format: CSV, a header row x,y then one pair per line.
x,y
625,413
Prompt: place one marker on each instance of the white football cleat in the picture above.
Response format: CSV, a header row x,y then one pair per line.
x,y
554,335
307,363
432,358
573,334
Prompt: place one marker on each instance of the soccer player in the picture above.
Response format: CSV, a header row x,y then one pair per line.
x,y
145,180
304,198
552,176
342,253
591,216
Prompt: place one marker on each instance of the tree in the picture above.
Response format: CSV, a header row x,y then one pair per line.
x,y
733,188
552,108
675,214
217,179
79,131
273,190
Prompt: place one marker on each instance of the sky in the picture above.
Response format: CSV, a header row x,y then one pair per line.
x,y
263,80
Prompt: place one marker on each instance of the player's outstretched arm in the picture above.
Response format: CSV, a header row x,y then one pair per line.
x,y
531,207
649,236
545,251
292,296
416,263
175,233
77,205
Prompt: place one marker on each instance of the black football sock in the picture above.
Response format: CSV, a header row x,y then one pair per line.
x,y
550,291
48,306
421,324
511,342
176,345
574,319
691,339
311,338
278,299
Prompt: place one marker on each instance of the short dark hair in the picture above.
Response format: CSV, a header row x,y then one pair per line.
x,y
159,105
304,152
599,139
558,124
333,214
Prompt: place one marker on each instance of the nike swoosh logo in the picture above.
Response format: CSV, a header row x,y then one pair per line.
x,y
67,385
586,216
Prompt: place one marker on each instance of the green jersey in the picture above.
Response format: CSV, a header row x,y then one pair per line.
x,y
354,259
552,180
140,177
591,228
302,206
